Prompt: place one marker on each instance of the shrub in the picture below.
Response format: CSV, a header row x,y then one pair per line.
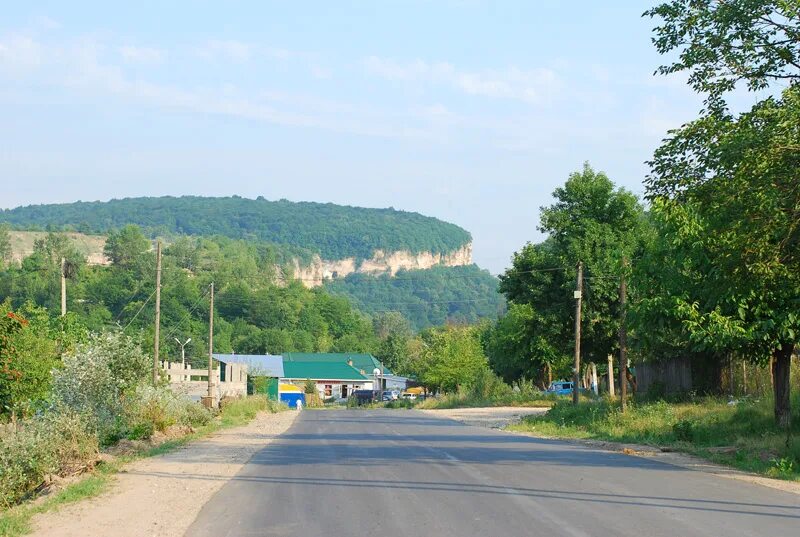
x,y
149,409
61,442
683,430
95,378
488,385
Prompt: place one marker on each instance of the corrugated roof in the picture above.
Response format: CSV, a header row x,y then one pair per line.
x,y
267,365
361,361
319,370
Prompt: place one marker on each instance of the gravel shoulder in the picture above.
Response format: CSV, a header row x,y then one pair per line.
x,y
161,496
490,417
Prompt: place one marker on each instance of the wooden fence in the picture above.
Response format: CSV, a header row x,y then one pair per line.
x,y
667,376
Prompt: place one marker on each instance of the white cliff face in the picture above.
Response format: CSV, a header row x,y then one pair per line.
x,y
381,262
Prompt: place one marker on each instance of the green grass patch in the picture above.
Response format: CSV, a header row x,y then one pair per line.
x,y
16,521
743,435
466,400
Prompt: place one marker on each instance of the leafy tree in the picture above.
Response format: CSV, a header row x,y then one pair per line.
x,y
591,221
722,43
5,245
746,248
450,357
394,332
30,341
126,246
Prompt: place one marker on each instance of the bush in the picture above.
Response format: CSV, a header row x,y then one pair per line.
x,y
488,385
61,443
97,376
683,430
149,409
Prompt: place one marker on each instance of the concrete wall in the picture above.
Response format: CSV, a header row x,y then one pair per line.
x,y
181,380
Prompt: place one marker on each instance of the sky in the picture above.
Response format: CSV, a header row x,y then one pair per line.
x,y
469,111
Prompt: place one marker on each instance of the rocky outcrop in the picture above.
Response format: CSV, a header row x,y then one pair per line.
x,y
381,262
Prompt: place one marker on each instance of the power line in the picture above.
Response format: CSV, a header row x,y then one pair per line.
x,y
140,310
189,315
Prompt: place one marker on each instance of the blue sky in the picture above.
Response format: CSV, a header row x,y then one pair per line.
x,y
469,111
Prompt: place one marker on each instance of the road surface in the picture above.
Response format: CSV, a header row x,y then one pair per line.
x,y
406,473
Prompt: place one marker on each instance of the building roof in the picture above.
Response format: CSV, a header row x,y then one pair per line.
x,y
321,370
361,361
266,365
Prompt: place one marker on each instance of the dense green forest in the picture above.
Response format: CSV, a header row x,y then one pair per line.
x,y
257,311
333,231
426,297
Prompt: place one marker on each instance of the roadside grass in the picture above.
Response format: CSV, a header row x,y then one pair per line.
x,y
742,435
467,400
16,521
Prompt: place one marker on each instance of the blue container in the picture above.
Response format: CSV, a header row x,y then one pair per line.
x,y
291,398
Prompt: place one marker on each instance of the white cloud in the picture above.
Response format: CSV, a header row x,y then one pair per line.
x,y
144,55
230,50
534,85
20,52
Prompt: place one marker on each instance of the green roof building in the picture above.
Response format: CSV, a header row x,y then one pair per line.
x,y
363,363
333,371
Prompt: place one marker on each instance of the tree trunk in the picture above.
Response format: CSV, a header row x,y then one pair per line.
x,y
781,366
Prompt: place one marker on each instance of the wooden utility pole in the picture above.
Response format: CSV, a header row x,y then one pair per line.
x,y
623,340
744,377
576,377
211,348
63,286
611,375
157,336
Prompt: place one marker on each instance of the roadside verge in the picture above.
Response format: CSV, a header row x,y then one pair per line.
x,y
162,495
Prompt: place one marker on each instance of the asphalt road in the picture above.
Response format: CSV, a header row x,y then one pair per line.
x,y
405,473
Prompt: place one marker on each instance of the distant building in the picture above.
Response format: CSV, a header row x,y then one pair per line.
x,y
263,371
365,364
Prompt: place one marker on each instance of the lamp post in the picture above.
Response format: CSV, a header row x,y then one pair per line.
x,y
183,355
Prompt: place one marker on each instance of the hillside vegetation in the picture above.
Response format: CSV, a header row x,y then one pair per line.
x,y
426,297
333,231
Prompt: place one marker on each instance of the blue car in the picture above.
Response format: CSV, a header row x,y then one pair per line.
x,y
560,388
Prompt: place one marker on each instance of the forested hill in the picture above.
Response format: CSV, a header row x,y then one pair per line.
x,y
334,231
426,297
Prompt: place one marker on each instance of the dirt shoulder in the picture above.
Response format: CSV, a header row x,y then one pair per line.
x,y
684,460
161,496
501,417
490,417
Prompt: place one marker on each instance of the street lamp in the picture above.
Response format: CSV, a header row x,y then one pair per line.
x,y
183,354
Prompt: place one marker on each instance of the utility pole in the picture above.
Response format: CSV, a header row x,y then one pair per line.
x,y
157,336
611,375
623,339
576,377
211,348
63,287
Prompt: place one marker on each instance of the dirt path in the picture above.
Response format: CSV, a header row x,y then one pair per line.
x,y
492,417
161,496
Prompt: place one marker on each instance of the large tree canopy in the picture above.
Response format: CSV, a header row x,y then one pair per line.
x,y
591,221
728,191
723,42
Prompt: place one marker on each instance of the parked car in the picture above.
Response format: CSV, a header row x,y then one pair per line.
x,y
409,396
390,395
560,387
363,396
